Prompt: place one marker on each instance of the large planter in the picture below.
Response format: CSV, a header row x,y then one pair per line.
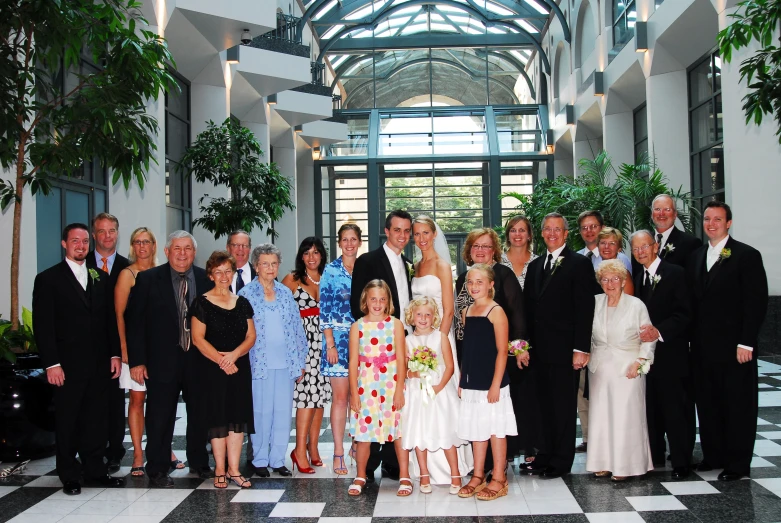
x,y
26,410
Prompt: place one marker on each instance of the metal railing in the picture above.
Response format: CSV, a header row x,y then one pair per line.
x,y
287,29
318,73
337,101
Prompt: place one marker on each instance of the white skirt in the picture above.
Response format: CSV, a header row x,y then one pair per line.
x,y
479,420
126,382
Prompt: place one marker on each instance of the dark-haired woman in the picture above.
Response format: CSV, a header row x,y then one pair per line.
x,y
314,391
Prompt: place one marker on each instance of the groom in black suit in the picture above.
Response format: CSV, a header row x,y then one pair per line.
x,y
559,296
388,264
160,353
669,406
71,316
730,296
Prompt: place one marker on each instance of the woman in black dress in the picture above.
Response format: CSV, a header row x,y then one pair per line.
x,y
223,331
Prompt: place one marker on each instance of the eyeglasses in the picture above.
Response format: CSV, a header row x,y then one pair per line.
x,y
266,265
187,249
605,245
592,227
142,242
106,231
219,274
239,245
549,230
479,247
642,248
614,279
663,209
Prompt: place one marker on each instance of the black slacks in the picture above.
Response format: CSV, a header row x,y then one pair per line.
x,y
80,427
384,455
116,421
668,409
557,395
727,401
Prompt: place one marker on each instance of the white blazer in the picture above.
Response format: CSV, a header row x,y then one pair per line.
x,y
621,336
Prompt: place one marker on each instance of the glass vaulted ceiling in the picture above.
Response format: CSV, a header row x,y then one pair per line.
x,y
471,51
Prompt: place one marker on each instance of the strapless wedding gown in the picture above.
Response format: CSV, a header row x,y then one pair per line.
x,y
439,470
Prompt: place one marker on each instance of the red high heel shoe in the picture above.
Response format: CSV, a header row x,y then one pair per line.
x,y
308,470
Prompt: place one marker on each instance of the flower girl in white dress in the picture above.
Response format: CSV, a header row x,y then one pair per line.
x,y
430,414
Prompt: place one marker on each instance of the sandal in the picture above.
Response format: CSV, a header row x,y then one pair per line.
x,y
467,491
137,471
619,478
220,482
405,489
602,474
353,453
242,482
454,489
425,489
489,495
177,464
341,471
356,488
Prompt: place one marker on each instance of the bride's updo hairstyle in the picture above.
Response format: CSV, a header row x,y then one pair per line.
x,y
423,301
426,221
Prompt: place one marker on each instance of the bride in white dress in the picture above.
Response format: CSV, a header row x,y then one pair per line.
x,y
434,278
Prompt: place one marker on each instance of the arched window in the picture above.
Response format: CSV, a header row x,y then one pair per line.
x,y
624,18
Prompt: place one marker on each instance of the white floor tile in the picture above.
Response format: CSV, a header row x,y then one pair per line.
x,y
257,496
506,506
149,508
4,491
87,493
345,520
32,518
615,517
711,475
770,398
760,421
89,518
772,484
773,434
137,519
56,506
177,495
765,386
102,507
553,506
450,509
686,488
183,473
410,508
297,510
767,448
647,503
757,462
45,481
120,494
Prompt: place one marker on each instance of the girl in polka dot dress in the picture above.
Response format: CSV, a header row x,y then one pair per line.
x,y
376,398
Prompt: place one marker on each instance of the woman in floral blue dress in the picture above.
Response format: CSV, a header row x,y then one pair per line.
x,y
335,322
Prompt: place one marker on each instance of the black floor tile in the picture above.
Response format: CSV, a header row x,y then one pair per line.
x,y
21,499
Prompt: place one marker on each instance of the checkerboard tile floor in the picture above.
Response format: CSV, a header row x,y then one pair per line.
x,y
36,495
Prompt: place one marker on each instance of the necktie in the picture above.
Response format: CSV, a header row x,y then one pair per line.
x,y
659,241
105,264
239,280
590,254
184,328
548,264
646,290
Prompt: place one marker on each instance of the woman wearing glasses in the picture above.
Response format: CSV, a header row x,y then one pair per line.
x,y
143,251
618,431
611,242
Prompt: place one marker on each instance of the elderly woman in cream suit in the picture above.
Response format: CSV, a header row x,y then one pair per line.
x,y
618,433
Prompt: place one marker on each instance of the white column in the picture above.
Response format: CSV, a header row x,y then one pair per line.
x,y
668,126
618,138
261,132
287,228
305,190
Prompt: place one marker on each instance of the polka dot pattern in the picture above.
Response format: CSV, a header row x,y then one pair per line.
x,y
314,391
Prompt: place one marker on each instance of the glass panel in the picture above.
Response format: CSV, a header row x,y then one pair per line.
x,y
461,143
465,123
177,138
516,122
700,83
641,149
405,123
173,190
99,201
358,125
405,145
173,219
522,142
619,6
702,126
641,124
178,101
48,233
712,170
719,124
716,72
76,207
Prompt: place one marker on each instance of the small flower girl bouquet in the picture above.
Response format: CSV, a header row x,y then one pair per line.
x,y
424,362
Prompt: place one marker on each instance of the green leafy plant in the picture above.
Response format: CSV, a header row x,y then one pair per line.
x,y
229,155
13,341
757,20
75,80
625,202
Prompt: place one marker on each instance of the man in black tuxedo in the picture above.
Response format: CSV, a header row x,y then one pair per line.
x,y
559,294
160,354
388,264
729,295
669,407
71,316
104,258
675,246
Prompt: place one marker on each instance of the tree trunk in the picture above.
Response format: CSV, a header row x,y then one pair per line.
x,y
17,233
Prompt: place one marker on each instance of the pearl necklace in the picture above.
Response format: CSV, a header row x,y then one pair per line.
x,y
316,282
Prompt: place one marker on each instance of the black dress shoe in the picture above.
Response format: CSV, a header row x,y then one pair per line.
x,y
370,478
282,471
583,447
704,467
203,472
680,472
107,481
550,473
390,473
72,488
532,469
113,466
728,475
262,472
161,480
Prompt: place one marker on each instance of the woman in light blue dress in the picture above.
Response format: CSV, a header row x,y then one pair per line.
x,y
335,322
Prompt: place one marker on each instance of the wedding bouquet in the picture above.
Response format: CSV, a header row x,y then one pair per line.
x,y
644,368
424,362
517,347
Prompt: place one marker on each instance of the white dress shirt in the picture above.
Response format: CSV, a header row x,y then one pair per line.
x,y
80,271
651,273
400,275
246,276
714,251
665,237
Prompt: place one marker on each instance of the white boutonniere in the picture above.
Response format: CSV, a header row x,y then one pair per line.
x,y
655,281
410,270
668,248
94,275
725,254
559,260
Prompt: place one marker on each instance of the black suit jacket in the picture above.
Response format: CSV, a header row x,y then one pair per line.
x,y
71,323
152,322
729,302
120,263
375,265
685,244
560,310
669,306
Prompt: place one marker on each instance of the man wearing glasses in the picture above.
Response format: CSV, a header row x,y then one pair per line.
x,y
675,246
104,258
240,247
590,224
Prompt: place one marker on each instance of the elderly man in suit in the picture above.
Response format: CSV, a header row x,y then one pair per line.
x,y
669,408
559,295
730,295
105,234
388,264
160,353
71,314
675,246
239,246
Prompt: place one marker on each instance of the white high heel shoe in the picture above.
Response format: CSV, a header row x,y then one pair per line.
x,y
425,489
454,489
